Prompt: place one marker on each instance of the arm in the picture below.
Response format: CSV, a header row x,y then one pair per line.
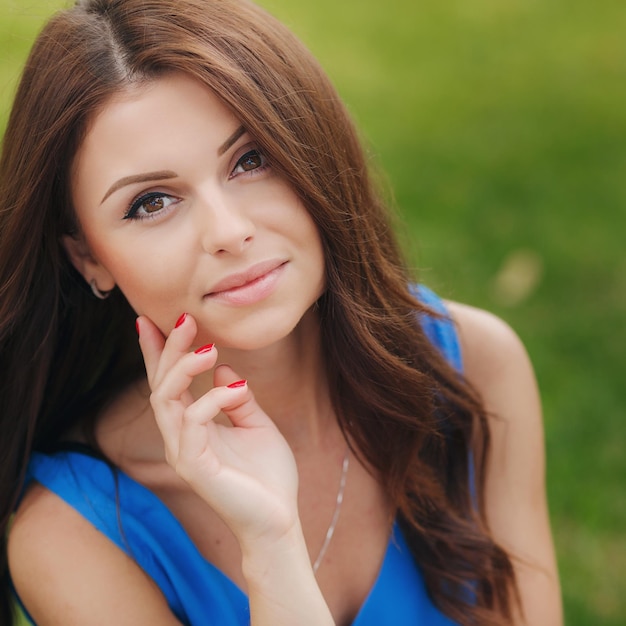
x,y
69,574
497,365
244,470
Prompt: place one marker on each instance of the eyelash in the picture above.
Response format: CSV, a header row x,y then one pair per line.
x,y
138,202
257,170
142,199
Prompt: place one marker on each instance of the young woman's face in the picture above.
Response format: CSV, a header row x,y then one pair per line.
x,y
179,207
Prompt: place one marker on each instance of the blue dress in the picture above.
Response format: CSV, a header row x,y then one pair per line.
x,y
197,592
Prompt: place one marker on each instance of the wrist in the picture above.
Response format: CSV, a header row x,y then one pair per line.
x,y
275,555
282,587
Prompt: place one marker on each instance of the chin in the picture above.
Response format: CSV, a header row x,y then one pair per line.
x,y
250,342
260,332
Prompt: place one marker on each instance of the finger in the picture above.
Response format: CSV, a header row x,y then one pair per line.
x,y
178,378
151,342
170,398
197,426
248,414
225,375
245,413
177,345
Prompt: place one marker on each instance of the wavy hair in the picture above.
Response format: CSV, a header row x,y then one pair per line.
x,y
412,419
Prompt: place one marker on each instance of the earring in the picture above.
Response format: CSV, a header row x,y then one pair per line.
x,y
101,295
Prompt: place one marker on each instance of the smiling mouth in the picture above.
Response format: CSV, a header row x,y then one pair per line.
x,y
250,286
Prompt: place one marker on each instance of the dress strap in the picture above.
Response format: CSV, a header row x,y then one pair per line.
x,y
440,330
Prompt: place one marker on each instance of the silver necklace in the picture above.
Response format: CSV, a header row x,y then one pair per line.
x,y
333,522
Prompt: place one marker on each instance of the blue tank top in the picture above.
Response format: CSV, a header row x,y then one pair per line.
x,y
197,592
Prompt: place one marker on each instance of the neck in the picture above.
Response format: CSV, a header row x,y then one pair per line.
x,y
289,382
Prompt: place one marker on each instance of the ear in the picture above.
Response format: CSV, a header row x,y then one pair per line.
x,y
87,265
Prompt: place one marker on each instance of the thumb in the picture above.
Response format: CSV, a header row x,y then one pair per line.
x,y
245,412
224,375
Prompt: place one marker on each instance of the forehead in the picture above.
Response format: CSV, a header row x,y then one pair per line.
x,y
149,123
161,100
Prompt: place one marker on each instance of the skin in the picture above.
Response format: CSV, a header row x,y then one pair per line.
x,y
496,362
254,493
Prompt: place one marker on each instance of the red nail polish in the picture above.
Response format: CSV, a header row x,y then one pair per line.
x,y
237,384
205,349
137,327
181,320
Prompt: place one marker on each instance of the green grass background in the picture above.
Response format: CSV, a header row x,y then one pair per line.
x,y
501,125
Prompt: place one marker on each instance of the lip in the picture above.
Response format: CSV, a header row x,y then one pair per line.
x,y
250,285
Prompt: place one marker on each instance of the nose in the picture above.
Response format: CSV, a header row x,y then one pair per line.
x,y
223,225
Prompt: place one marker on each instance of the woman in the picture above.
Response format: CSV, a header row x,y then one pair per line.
x,y
294,439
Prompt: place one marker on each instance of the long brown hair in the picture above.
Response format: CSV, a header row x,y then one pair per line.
x,y
410,416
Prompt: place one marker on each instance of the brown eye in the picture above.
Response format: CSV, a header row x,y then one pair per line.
x,y
150,204
249,162
153,204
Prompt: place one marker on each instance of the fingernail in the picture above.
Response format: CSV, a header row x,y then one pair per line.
x,y
137,327
181,320
205,349
237,384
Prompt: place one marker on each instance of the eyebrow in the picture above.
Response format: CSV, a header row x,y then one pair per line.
x,y
231,140
166,174
139,178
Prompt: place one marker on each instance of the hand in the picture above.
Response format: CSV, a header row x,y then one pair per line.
x,y
244,470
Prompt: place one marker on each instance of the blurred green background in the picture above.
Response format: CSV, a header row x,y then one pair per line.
x,y
501,126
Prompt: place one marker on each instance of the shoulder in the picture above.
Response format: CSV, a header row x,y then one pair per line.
x,y
65,571
497,365
491,348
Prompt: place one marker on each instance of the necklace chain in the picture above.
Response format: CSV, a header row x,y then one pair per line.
x,y
333,522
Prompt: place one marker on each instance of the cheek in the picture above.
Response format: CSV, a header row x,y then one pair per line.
x,y
137,263
313,240
152,283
